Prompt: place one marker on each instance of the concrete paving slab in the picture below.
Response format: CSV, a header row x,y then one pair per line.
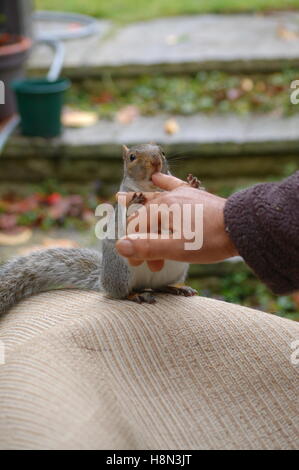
x,y
215,134
182,44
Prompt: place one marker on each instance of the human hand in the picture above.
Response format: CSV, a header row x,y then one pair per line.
x,y
216,247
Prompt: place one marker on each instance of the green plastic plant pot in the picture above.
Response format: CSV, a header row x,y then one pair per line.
x,y
40,103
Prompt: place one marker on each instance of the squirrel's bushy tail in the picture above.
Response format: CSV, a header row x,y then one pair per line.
x,y
44,270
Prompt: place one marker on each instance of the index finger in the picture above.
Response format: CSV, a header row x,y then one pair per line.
x,y
167,182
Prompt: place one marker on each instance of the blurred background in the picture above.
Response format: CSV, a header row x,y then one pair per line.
x,y
209,81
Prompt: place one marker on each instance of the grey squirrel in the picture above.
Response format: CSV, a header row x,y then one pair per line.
x,y
107,272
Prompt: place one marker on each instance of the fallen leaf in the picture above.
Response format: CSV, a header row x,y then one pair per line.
x,y
49,243
26,250
88,216
247,84
19,236
233,94
287,34
59,210
59,243
172,39
70,205
295,298
76,206
53,198
171,126
28,204
261,86
76,118
127,114
104,97
257,100
8,221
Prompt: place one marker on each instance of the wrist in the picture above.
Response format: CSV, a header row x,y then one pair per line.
x,y
228,246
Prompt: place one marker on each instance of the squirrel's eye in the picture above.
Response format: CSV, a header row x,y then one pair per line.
x,y
132,157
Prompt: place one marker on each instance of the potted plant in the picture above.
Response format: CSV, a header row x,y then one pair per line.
x,y
13,53
14,46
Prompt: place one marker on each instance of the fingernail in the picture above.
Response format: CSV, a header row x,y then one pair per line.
x,y
125,247
120,193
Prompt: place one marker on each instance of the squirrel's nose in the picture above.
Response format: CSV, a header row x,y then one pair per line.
x,y
156,162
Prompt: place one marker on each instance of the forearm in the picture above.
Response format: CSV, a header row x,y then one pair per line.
x,y
263,223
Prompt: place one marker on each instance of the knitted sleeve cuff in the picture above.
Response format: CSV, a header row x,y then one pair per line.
x,y
251,219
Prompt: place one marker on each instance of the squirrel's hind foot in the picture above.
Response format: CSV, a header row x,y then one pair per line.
x,y
186,291
194,182
142,297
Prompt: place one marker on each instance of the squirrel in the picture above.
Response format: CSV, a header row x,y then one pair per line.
x,y
106,271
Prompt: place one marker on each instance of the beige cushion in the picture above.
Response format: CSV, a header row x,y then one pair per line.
x,y
86,372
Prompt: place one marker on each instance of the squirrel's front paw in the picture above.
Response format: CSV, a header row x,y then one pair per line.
x,y
194,182
142,297
138,199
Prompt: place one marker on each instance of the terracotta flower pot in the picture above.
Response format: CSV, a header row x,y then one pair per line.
x,y
13,54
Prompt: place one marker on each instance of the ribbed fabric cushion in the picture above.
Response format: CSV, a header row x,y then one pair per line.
x,y
86,372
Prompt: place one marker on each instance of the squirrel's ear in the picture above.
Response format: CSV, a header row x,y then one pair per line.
x,y
125,151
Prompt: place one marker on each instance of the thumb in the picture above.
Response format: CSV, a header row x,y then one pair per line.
x,y
150,248
166,182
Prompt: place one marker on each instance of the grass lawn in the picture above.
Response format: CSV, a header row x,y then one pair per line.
x,y
242,288
133,10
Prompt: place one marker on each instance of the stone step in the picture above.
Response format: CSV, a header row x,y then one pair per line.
x,y
199,134
238,43
213,147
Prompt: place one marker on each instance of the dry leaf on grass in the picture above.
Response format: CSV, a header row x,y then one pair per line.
x,y
233,94
247,84
295,298
68,205
171,126
76,118
127,114
261,86
8,222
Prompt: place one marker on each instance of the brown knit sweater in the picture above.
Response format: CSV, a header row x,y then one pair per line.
x,y
263,223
